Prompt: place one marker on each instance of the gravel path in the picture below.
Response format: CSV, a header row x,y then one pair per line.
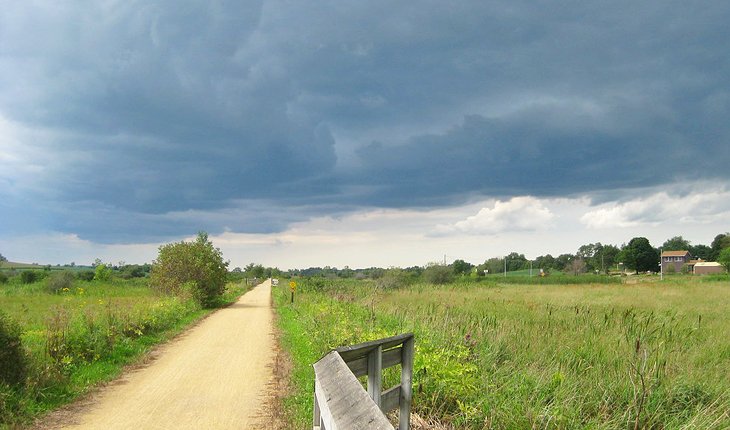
x,y
215,376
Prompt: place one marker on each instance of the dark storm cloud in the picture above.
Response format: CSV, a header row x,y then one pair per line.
x,y
150,110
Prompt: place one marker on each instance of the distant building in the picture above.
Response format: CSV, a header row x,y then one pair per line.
x,y
708,267
672,261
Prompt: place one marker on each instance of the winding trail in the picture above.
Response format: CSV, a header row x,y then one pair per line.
x,y
215,376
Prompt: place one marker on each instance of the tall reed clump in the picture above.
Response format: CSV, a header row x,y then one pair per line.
x,y
74,337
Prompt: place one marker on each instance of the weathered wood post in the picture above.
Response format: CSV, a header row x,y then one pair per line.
x,y
340,402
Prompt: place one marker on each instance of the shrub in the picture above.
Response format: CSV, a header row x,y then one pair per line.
x,y
86,275
13,364
184,266
438,274
29,276
3,278
102,273
60,280
393,278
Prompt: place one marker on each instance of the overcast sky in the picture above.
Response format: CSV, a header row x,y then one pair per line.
x,y
360,132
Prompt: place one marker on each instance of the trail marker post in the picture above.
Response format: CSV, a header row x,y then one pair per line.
x,y
293,289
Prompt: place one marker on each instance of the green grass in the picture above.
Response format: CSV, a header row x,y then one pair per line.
x,y
85,335
498,355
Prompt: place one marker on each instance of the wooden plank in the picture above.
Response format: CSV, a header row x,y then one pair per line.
x,y
363,349
389,400
343,403
406,381
375,374
359,366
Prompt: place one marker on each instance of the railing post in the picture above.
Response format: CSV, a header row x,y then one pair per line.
x,y
317,420
375,374
406,379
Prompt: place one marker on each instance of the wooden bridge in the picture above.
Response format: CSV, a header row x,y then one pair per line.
x,y
340,401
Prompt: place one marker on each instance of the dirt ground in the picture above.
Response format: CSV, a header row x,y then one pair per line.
x,y
218,375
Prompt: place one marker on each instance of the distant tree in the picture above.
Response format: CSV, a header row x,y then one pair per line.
x,y
576,266
677,243
720,242
609,255
254,270
562,261
598,257
724,258
701,251
545,262
3,259
196,268
516,261
492,265
461,267
640,256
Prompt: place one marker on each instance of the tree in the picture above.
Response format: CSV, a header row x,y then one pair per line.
x,y
640,256
562,261
720,242
677,243
3,259
516,261
576,266
190,268
461,267
724,258
545,262
701,251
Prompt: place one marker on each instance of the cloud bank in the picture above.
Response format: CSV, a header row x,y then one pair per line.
x,y
129,122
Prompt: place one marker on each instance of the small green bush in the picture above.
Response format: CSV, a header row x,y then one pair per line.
x,y
438,274
60,280
13,364
86,275
3,278
102,273
393,278
29,276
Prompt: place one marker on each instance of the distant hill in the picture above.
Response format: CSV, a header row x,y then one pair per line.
x,y
13,265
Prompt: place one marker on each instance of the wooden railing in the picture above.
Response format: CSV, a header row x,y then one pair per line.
x,y
340,402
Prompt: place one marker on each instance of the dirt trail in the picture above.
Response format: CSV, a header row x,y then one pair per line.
x,y
213,377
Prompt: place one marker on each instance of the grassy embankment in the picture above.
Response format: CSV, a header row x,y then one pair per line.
x,y
84,335
493,355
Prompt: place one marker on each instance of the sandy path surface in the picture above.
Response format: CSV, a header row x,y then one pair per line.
x,y
215,376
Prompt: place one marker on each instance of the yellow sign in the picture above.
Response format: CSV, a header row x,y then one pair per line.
x,y
293,286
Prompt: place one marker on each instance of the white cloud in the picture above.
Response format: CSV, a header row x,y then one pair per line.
x,y
517,214
703,206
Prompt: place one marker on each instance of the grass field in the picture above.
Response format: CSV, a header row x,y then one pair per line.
x,y
492,355
83,335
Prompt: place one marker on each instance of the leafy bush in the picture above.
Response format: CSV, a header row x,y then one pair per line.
x,y
438,274
393,278
12,357
102,272
86,275
192,269
29,276
3,278
60,280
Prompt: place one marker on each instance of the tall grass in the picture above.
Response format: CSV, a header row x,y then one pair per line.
x,y
647,355
84,334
